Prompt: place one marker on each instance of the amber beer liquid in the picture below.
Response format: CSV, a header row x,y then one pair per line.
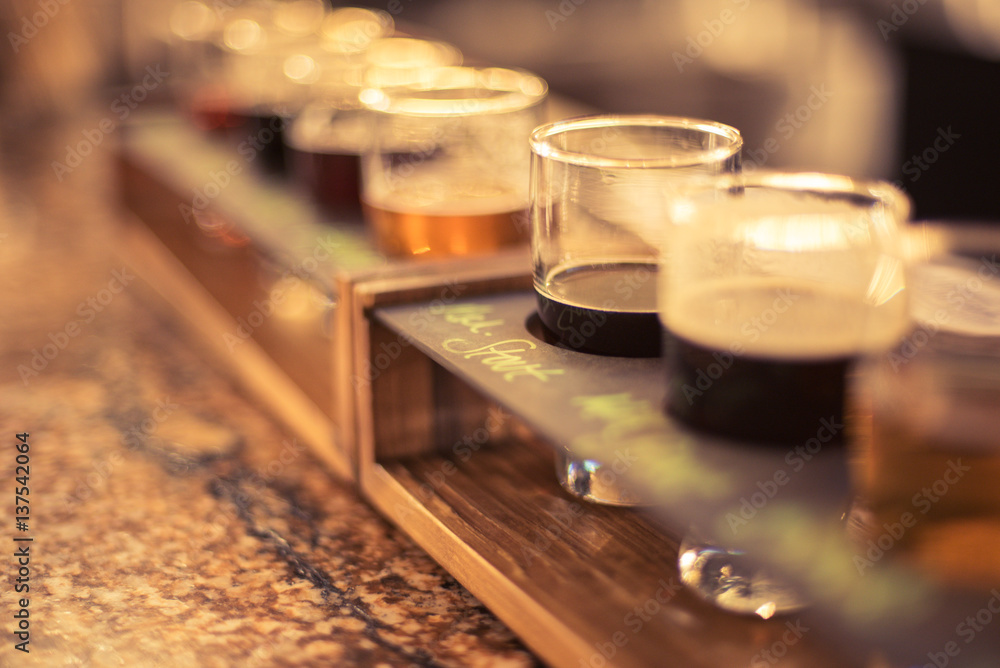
x,y
928,462
766,360
447,228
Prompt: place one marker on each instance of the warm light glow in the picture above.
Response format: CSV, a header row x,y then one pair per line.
x,y
297,300
767,610
301,69
191,20
299,17
757,37
400,61
800,232
352,29
976,23
243,34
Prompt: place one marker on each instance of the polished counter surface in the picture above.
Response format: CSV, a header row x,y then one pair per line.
x,y
174,523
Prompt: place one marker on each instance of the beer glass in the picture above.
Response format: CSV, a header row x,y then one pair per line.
x,y
600,190
262,97
327,138
773,288
446,172
928,458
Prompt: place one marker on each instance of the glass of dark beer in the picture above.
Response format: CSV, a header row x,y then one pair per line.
x,y
446,172
773,288
927,460
601,186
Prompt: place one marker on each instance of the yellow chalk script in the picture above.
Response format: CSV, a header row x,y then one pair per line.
x,y
472,316
501,357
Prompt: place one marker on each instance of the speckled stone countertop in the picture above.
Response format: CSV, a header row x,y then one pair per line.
x,y
173,522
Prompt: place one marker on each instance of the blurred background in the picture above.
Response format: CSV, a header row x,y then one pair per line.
x,y
907,90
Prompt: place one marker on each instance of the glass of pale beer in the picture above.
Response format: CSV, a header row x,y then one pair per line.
x,y
774,288
600,190
446,172
927,459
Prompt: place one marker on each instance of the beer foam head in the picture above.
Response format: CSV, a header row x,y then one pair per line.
x,y
781,318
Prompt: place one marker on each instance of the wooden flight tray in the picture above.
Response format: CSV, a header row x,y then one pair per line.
x,y
460,454
462,404
258,273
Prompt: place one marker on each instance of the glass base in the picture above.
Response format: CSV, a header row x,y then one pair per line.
x,y
596,482
728,580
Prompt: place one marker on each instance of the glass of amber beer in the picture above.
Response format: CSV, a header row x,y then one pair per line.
x,y
927,461
773,288
446,172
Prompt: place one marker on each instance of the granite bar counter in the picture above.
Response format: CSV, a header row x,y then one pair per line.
x,y
173,522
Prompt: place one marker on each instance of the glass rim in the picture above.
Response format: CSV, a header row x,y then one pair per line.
x,y
541,144
516,90
928,240
820,183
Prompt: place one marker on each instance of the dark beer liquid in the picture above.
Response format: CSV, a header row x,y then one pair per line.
x,y
332,180
263,131
765,400
211,109
767,360
607,309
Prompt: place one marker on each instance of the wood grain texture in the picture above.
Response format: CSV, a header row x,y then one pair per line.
x,y
603,581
